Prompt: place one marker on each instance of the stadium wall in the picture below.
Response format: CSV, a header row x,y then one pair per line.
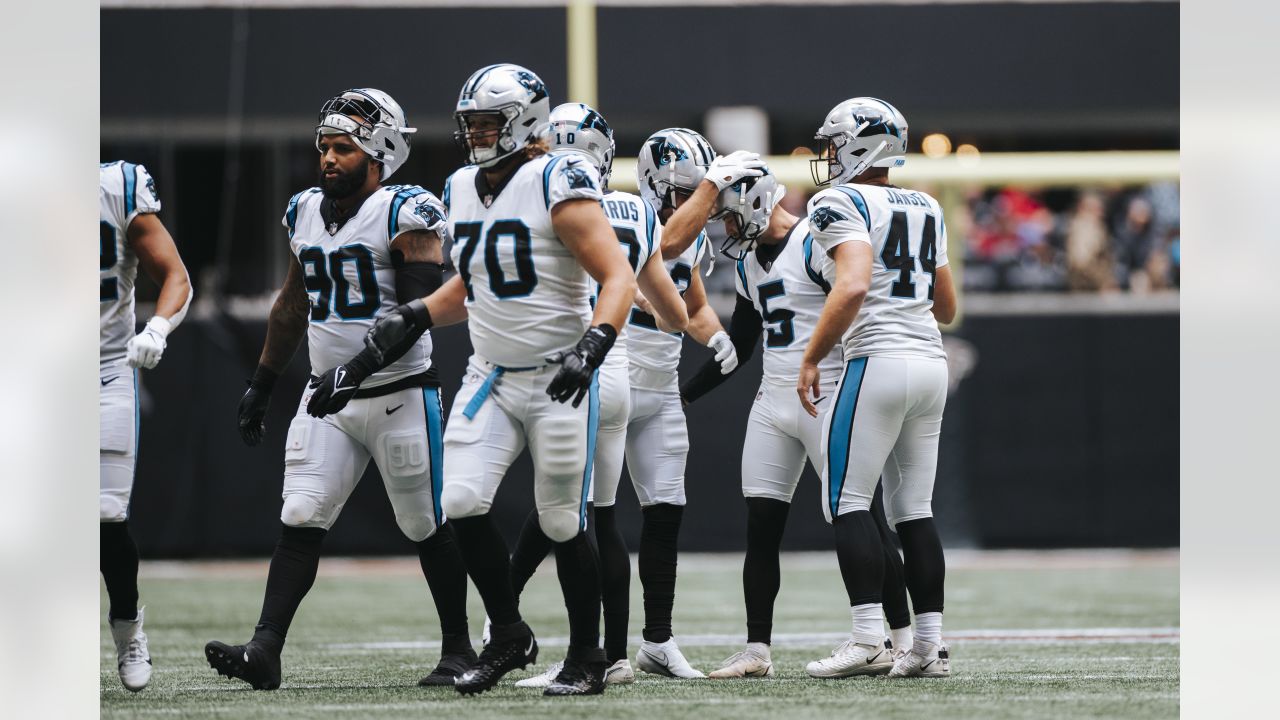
x,y
1063,432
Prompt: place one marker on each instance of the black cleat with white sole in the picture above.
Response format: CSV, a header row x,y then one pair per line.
x,y
583,674
448,669
252,663
512,647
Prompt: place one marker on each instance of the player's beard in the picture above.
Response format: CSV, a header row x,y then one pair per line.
x,y
345,184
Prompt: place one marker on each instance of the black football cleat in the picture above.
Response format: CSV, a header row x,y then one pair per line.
x,y
500,656
448,669
579,677
252,663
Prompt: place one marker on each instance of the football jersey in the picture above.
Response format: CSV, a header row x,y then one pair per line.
x,y
908,242
639,233
527,295
125,190
647,346
349,276
789,295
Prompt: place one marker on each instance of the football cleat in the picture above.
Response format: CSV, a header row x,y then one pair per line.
x,y
925,659
665,658
543,679
133,661
752,662
852,658
499,657
448,669
252,663
619,673
579,677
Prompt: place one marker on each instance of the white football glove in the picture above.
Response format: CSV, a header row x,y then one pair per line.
x,y
726,355
145,349
726,170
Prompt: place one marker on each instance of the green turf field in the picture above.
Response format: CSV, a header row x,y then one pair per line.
x,y
1032,635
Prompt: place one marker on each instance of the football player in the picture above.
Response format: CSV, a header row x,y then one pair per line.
x,y
781,288
360,248
671,164
129,235
529,235
892,287
579,129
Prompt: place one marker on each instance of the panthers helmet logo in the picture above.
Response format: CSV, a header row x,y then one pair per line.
x,y
877,124
664,152
824,216
532,84
578,178
151,186
428,212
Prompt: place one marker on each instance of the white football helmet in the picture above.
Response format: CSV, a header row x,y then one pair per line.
x,y
857,134
580,129
750,202
672,159
516,96
375,123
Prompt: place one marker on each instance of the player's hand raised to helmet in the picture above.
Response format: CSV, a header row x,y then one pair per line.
x,y
578,366
726,170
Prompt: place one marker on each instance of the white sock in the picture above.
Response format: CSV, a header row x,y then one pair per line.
x,y
868,623
929,628
901,637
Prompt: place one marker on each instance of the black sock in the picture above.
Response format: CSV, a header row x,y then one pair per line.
x,y
761,576
485,555
531,549
894,590
658,568
446,575
118,561
923,561
578,568
289,579
861,557
615,583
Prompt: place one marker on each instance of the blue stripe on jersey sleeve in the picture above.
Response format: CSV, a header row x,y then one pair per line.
x,y
546,179
649,220
815,276
697,253
858,202
130,172
291,213
403,196
444,198
742,275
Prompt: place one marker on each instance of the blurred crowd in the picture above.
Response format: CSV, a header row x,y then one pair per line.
x,y
1071,239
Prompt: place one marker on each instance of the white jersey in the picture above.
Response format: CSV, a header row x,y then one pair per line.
x,y
349,274
527,295
125,190
789,295
647,346
908,242
639,234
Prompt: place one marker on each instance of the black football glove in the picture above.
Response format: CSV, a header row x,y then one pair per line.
x,y
253,406
578,365
395,332
336,386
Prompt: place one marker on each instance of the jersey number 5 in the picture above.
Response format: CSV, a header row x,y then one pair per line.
x,y
108,288
896,255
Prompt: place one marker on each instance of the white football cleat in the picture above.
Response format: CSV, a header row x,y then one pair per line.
x,y
543,680
665,658
851,659
133,660
933,662
486,633
750,663
620,673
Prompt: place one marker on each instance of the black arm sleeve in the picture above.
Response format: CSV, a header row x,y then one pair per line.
x,y
417,279
744,331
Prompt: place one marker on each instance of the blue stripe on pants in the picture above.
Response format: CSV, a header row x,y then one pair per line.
x,y
841,429
435,445
593,424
